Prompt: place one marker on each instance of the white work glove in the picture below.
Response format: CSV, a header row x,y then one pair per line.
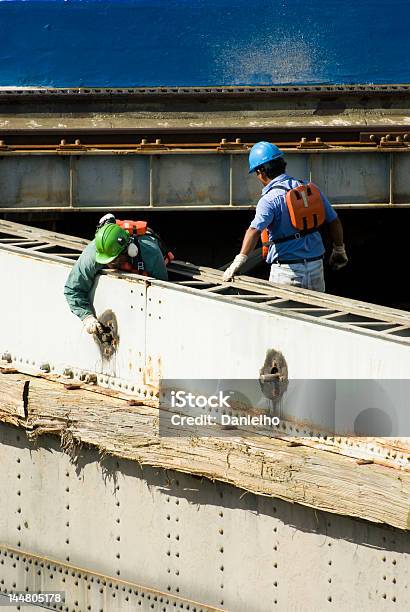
x,y
338,258
234,267
92,325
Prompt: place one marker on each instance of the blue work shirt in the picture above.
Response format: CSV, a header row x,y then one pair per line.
x,y
272,213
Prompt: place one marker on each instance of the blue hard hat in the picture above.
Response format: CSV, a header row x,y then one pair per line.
x,y
261,153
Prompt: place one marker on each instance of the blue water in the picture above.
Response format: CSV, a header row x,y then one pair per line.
x,y
95,43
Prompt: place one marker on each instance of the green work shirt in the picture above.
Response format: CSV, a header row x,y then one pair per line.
x,y
81,278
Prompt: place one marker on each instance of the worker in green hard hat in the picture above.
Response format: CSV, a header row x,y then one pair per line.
x,y
110,241
136,249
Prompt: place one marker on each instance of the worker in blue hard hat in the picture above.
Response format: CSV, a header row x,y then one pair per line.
x,y
288,217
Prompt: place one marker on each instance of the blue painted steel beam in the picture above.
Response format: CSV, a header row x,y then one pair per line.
x,y
97,43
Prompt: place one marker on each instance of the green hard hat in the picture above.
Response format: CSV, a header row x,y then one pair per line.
x,y
110,241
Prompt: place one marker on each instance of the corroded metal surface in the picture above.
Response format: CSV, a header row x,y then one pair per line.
x,y
209,177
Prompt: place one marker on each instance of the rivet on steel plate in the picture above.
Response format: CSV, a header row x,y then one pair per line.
x,y
89,378
45,367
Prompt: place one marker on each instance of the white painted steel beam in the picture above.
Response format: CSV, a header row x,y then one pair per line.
x,y
98,528
171,331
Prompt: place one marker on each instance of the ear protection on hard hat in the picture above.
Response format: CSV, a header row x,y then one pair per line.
x,y
132,248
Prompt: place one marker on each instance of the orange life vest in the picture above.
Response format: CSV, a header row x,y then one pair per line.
x,y
133,227
140,228
307,213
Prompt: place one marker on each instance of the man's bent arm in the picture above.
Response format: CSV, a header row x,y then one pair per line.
x,y
338,259
250,240
249,243
80,282
336,232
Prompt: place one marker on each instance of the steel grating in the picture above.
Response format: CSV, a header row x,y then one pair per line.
x,y
324,308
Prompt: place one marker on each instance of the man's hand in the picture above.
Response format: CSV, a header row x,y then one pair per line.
x,y
92,325
338,258
234,267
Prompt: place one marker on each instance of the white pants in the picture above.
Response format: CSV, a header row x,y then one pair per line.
x,y
308,275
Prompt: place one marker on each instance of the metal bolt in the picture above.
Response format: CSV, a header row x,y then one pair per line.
x,y
68,373
1,143
158,141
318,139
7,357
399,139
90,378
304,139
384,139
77,142
406,137
372,138
238,140
45,367
388,136
63,142
144,141
223,141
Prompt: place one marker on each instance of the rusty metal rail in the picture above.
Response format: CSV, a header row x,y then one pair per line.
x,y
7,92
388,139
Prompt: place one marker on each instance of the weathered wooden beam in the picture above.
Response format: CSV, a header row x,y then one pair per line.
x,y
267,466
14,396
